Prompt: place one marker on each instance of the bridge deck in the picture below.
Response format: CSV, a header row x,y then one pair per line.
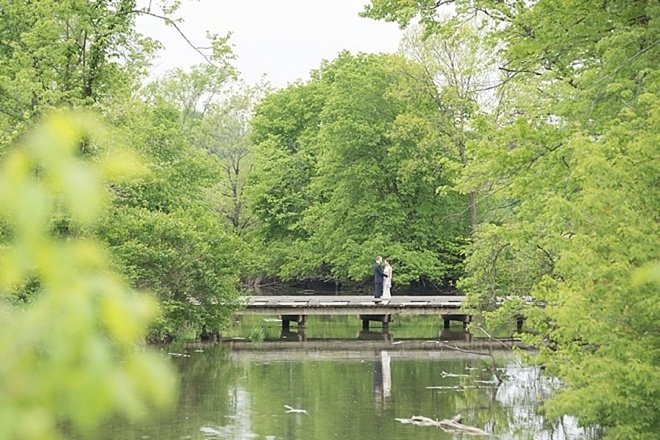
x,y
352,305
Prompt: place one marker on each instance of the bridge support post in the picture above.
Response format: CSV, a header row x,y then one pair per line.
x,y
301,320
465,319
384,319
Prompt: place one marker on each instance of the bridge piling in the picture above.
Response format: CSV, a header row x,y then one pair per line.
x,y
301,320
465,319
384,319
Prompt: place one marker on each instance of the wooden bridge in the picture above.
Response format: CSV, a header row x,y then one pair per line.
x,y
297,308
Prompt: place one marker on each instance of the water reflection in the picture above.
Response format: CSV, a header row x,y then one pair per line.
x,y
404,327
369,335
289,335
353,391
454,335
382,382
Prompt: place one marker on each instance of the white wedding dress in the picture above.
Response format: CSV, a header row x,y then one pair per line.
x,y
387,283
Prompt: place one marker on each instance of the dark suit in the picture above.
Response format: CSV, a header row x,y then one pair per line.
x,y
378,280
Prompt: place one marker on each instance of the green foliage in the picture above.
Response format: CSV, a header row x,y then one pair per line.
x,y
285,126
224,132
164,232
402,12
257,336
77,53
347,168
66,53
186,260
572,163
70,354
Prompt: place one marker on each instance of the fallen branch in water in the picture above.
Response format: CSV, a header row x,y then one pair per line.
x,y
445,374
453,425
294,410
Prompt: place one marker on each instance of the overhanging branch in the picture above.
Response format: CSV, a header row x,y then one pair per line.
x,y
169,21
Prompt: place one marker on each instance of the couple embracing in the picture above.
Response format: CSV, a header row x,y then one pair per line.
x,y
382,279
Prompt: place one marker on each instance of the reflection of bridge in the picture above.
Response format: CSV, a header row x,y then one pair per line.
x,y
297,308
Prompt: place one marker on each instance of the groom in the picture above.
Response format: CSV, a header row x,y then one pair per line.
x,y
378,279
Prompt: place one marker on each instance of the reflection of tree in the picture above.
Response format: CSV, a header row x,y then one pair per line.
x,y
237,396
204,398
478,396
478,402
508,407
529,385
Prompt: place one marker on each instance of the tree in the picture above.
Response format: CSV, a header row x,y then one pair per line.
x,y
460,69
196,91
284,130
164,233
340,176
224,132
67,53
70,356
380,162
576,156
82,54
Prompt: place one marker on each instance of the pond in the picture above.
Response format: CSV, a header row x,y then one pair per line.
x,y
347,387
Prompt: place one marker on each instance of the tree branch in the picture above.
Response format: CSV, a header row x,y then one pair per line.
x,y
439,3
169,21
628,61
547,254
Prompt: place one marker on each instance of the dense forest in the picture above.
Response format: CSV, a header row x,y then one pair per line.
x,y
508,150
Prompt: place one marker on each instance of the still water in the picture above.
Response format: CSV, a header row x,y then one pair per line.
x,y
347,388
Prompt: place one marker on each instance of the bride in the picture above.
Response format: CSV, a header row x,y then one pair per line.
x,y
387,285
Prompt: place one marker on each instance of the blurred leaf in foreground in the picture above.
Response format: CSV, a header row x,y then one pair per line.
x,y
71,355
